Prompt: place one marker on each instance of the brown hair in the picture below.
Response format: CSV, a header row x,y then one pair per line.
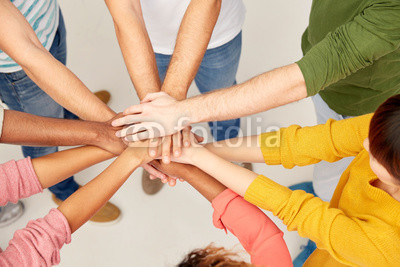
x,y
384,135
211,256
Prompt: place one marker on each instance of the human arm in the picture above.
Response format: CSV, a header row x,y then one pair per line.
x,y
269,90
26,129
135,45
98,191
296,146
371,35
40,242
20,42
261,238
193,37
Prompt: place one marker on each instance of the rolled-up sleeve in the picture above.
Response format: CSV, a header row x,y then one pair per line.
x,y
353,46
257,233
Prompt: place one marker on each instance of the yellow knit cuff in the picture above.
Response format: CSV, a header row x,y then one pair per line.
x,y
267,194
270,144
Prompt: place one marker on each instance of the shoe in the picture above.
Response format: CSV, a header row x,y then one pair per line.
x,y
306,186
150,187
245,165
109,213
307,250
10,213
103,95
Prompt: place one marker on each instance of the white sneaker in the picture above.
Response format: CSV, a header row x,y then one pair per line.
x,y
10,213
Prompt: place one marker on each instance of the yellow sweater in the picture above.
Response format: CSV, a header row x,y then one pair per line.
x,y
361,224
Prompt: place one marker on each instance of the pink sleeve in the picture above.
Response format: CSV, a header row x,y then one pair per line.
x,y
17,180
261,238
39,243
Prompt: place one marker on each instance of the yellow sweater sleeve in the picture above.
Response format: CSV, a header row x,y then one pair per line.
x,y
309,145
346,239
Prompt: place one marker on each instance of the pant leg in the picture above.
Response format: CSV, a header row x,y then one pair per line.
x,y
162,65
218,70
20,93
327,175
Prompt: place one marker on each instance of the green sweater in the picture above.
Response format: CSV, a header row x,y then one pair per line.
x,y
352,53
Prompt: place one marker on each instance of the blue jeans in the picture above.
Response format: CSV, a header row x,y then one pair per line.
x,y
20,93
217,70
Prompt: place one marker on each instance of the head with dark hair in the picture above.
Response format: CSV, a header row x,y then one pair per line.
x,y
383,143
211,256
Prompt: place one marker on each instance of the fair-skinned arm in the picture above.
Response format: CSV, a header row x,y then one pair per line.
x,y
371,35
20,42
266,91
139,56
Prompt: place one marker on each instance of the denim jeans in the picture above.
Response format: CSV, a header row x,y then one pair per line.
x,y
326,174
217,70
20,93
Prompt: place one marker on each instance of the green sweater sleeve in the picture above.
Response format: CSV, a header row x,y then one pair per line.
x,y
352,46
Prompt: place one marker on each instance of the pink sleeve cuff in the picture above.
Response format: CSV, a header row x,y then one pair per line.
x,y
18,180
220,204
39,243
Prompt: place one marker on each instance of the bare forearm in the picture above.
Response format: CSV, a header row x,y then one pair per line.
x,y
135,45
56,167
64,87
191,44
240,149
232,176
26,129
266,91
20,42
98,191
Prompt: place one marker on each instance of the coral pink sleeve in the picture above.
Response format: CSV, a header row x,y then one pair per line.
x,y
39,243
17,180
261,238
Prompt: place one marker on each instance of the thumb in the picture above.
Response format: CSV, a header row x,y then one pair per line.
x,y
152,96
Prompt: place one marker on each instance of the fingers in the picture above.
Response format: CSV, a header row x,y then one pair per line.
x,y
140,136
199,138
186,136
126,120
135,109
166,149
152,96
154,172
177,144
154,147
139,127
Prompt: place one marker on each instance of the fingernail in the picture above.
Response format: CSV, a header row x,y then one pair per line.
x,y
166,159
186,144
152,153
114,123
118,134
177,153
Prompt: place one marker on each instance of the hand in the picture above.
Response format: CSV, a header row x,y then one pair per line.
x,y
107,138
158,115
174,143
173,170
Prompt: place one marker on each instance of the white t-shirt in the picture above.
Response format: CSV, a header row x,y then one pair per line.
x,y
163,19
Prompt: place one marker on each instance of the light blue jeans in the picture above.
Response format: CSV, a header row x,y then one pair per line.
x,y
20,93
327,175
217,70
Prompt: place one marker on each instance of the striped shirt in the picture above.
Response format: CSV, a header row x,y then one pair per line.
x,y
43,16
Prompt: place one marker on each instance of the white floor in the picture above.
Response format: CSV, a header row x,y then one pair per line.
x,y
158,230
